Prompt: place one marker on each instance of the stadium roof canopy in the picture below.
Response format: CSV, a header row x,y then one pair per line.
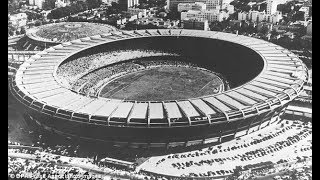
x,y
281,80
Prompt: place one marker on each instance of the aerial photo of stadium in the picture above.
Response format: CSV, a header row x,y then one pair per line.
x,y
161,88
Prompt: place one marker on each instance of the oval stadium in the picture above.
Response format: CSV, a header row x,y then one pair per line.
x,y
159,88
45,36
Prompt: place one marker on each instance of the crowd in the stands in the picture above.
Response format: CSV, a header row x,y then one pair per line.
x,y
72,70
90,82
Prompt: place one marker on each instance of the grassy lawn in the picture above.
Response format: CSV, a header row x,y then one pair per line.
x,y
163,83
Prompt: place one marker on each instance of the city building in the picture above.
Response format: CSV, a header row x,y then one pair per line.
x,y
210,4
274,18
199,24
38,3
228,7
157,22
18,20
309,29
125,4
213,4
242,16
173,4
264,25
136,11
256,16
272,5
305,9
199,6
61,3
210,15
108,1
45,13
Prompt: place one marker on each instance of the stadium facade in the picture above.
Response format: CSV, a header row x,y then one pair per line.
x,y
264,78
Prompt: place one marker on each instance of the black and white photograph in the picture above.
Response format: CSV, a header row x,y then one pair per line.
x,y
160,89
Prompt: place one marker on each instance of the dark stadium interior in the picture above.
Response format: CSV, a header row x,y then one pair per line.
x,y
210,53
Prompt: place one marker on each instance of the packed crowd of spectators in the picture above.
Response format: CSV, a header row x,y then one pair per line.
x,y
92,81
153,62
86,75
72,70
86,83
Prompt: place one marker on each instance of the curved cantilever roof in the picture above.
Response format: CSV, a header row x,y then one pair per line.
x,y
280,81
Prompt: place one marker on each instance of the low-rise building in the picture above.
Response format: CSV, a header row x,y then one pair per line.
x,y
198,6
45,13
242,16
18,20
274,18
60,3
272,5
229,8
38,3
256,16
136,11
306,10
211,4
264,25
309,29
210,15
157,22
199,24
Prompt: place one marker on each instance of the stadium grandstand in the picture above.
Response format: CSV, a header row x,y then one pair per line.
x,y
254,101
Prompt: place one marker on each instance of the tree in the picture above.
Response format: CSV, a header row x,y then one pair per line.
x,y
38,23
23,30
31,16
298,16
11,33
93,3
174,15
285,8
236,173
264,30
131,26
215,28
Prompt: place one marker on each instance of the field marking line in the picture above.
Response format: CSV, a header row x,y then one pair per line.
x,y
115,80
109,90
204,86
